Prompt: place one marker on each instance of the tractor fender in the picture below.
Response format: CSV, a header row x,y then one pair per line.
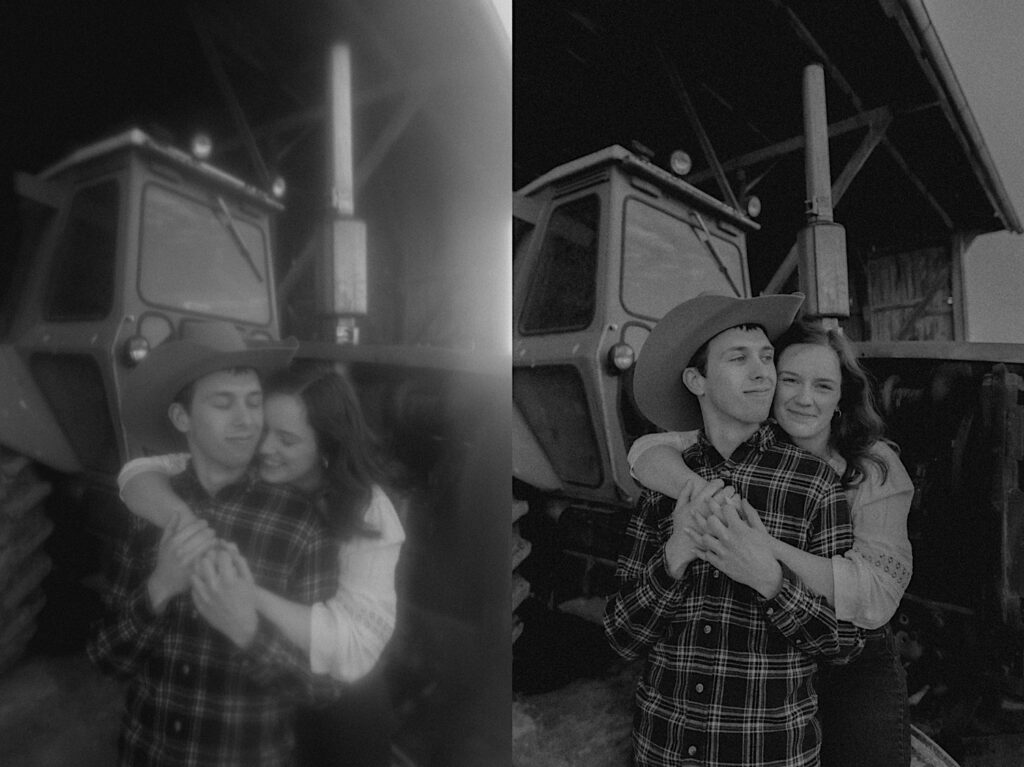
x,y
529,461
27,424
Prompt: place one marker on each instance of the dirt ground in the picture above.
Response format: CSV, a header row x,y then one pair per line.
x,y
587,722
575,708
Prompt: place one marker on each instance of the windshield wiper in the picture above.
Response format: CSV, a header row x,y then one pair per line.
x,y
229,222
714,254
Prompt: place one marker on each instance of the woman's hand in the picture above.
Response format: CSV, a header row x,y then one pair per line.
x,y
224,593
734,540
753,518
691,508
181,547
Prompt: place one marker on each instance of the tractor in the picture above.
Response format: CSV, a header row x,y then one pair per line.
x,y
125,242
603,247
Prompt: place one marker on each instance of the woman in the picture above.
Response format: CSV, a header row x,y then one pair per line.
x,y
823,401
315,439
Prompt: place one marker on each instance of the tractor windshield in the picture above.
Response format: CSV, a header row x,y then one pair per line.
x,y
201,257
667,260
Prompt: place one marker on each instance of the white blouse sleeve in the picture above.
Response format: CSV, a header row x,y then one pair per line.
x,y
871,578
679,440
171,464
350,630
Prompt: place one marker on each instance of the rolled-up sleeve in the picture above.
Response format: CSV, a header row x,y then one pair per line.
x,y
170,464
677,440
349,631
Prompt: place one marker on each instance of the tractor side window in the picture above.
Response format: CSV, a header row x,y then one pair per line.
x,y
562,292
82,280
666,260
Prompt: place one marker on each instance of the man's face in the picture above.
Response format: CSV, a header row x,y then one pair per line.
x,y
225,420
740,380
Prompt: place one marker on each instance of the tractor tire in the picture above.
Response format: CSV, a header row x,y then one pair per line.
x,y
24,527
520,550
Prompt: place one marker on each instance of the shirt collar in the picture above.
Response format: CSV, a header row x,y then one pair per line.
x,y
767,435
188,482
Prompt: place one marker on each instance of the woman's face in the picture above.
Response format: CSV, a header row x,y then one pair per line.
x,y
807,393
288,452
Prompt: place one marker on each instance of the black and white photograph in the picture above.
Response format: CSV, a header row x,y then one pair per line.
x,y
767,358
255,383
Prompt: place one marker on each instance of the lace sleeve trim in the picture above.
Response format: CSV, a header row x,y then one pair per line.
x,y
378,621
892,566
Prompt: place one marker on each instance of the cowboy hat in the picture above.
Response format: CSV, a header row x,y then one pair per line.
x,y
200,349
657,379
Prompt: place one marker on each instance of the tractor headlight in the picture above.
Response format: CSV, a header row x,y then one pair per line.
x,y
279,188
135,350
680,162
202,146
621,357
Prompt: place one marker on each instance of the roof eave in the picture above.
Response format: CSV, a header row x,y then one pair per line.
x,y
917,27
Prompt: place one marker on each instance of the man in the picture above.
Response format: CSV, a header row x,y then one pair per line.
x,y
731,656
210,683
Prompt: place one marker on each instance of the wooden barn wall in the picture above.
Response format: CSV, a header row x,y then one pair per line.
x,y
910,296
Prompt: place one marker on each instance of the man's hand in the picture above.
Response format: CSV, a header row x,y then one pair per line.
x,y
740,546
691,508
224,593
181,545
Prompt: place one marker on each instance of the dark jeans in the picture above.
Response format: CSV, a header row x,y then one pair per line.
x,y
353,732
863,708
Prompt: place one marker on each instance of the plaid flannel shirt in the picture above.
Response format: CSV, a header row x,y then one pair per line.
x,y
729,678
194,697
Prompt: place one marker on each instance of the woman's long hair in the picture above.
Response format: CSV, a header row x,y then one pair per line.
x,y
856,425
350,453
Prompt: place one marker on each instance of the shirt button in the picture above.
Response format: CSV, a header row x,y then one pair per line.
x,y
715,574
707,628
770,611
185,669
177,725
700,687
692,750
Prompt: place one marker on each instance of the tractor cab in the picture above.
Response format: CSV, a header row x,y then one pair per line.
x,y
124,241
607,245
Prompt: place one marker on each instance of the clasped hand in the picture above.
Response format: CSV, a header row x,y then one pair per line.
x,y
724,530
224,593
191,556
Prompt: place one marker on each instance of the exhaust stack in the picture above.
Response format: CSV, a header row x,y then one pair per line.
x,y
341,280
822,242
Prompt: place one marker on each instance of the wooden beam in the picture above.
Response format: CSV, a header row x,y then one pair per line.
x,y
922,305
961,242
387,138
836,75
881,115
228,92
897,157
299,267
